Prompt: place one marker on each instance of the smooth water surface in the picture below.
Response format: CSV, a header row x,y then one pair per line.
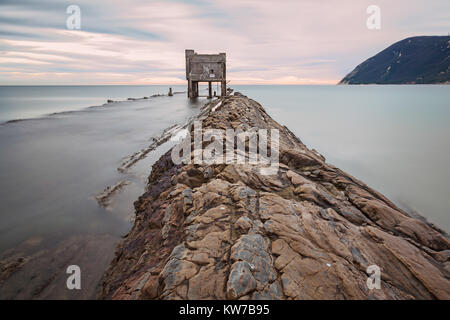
x,y
394,138
52,167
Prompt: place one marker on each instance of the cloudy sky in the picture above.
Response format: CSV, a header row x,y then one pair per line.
x,y
143,42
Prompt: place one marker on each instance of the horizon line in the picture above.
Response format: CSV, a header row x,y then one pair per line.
x,y
170,84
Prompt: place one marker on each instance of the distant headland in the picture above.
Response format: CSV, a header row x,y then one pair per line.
x,y
416,60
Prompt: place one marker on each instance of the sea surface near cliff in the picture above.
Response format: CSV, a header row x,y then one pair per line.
x,y
394,138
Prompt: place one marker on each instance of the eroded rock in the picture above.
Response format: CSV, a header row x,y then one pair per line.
x,y
309,231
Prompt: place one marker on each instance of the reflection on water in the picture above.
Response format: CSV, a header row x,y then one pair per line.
x,y
51,169
394,138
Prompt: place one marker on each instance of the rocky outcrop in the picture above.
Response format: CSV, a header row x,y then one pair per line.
x,y
310,231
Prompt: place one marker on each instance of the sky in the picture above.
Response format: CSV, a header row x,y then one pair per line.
x,y
143,41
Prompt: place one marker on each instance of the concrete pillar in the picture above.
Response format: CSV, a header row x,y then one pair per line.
x,y
223,90
189,89
196,89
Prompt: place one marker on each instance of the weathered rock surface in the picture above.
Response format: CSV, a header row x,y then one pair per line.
x,y
308,232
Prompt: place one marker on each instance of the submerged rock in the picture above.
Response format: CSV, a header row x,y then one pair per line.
x,y
309,231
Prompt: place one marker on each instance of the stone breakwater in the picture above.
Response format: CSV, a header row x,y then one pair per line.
x,y
310,231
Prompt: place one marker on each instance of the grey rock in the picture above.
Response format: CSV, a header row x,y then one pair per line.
x,y
240,281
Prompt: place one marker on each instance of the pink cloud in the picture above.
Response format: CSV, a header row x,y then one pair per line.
x,y
284,42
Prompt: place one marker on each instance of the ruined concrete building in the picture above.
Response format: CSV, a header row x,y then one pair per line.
x,y
205,68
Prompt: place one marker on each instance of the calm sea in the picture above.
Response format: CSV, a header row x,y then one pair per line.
x,y
394,138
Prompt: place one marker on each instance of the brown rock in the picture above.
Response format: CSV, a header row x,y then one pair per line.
x,y
296,179
150,289
309,231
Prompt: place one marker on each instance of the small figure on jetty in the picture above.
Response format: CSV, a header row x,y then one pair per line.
x,y
170,92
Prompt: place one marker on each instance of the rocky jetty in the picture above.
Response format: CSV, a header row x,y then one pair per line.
x,y
310,231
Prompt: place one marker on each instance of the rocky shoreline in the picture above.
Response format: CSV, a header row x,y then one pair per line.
x,y
311,231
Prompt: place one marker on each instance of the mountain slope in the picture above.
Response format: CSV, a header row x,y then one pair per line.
x,y
420,60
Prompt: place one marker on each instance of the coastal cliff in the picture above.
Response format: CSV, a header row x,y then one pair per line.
x,y
415,60
309,231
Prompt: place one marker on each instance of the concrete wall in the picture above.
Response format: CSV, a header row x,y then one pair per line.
x,y
205,67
